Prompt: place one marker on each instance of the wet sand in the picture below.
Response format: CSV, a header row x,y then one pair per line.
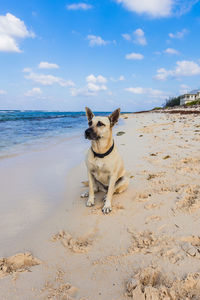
x,y
147,248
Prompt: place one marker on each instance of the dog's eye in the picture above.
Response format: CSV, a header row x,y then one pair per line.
x,y
90,123
100,124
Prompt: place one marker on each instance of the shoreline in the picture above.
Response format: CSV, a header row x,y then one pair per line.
x,y
153,223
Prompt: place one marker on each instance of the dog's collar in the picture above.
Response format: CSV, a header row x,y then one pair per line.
x,y
102,155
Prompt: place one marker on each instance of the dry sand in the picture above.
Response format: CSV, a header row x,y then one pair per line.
x,y
147,248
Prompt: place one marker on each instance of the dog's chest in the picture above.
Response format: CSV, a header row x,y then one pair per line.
x,y
100,171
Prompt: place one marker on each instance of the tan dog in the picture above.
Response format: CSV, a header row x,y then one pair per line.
x,y
105,166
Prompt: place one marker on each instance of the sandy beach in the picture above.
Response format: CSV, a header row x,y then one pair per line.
x,y
148,247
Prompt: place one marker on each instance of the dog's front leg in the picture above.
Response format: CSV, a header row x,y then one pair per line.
x,y
90,201
108,206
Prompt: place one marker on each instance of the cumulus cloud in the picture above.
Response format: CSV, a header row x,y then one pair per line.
x,y
182,68
79,6
136,56
120,78
158,8
34,92
3,92
178,34
12,29
46,65
94,84
146,91
171,51
96,41
127,36
97,79
137,37
155,8
26,70
48,79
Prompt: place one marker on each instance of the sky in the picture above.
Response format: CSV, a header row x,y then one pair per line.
x,y
65,55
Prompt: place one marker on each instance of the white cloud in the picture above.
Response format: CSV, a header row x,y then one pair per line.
x,y
79,6
136,56
48,79
178,34
127,36
146,91
96,41
26,70
46,65
182,68
162,74
137,37
34,92
97,79
94,85
11,30
155,8
158,8
120,78
2,92
171,51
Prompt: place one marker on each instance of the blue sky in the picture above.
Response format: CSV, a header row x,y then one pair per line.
x,y
65,55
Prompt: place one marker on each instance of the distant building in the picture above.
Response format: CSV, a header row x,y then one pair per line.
x,y
192,96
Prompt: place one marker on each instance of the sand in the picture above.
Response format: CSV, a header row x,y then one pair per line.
x,y
148,247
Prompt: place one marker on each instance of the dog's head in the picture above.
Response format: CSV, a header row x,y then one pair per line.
x,y
100,127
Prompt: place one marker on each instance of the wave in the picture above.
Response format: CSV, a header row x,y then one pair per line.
x,y
24,116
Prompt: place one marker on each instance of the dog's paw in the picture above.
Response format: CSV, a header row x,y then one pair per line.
x,y
85,195
89,203
106,209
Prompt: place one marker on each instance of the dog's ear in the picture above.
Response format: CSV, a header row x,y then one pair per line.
x,y
89,114
114,117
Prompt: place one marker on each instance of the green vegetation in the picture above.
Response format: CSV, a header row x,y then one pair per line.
x,y
155,108
172,101
195,102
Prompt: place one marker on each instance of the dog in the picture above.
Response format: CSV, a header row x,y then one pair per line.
x,y
104,164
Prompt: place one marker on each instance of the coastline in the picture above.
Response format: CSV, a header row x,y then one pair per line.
x,y
152,223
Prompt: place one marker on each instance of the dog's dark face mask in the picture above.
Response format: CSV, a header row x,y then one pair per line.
x,y
90,134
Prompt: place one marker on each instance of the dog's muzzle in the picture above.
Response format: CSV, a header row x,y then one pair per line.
x,y
90,134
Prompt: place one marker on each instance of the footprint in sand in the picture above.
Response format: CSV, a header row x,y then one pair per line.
x,y
151,283
76,245
20,262
58,288
190,199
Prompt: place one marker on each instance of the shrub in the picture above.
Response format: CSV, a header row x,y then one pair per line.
x,y
195,102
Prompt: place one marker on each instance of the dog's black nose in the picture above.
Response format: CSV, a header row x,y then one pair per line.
x,y
88,132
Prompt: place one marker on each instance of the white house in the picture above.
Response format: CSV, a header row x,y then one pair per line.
x,y
192,96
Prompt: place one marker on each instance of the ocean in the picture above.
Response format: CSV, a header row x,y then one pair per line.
x,y
24,130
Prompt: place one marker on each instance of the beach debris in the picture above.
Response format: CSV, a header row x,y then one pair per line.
x,y
151,283
153,154
21,262
166,157
120,133
76,245
151,176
